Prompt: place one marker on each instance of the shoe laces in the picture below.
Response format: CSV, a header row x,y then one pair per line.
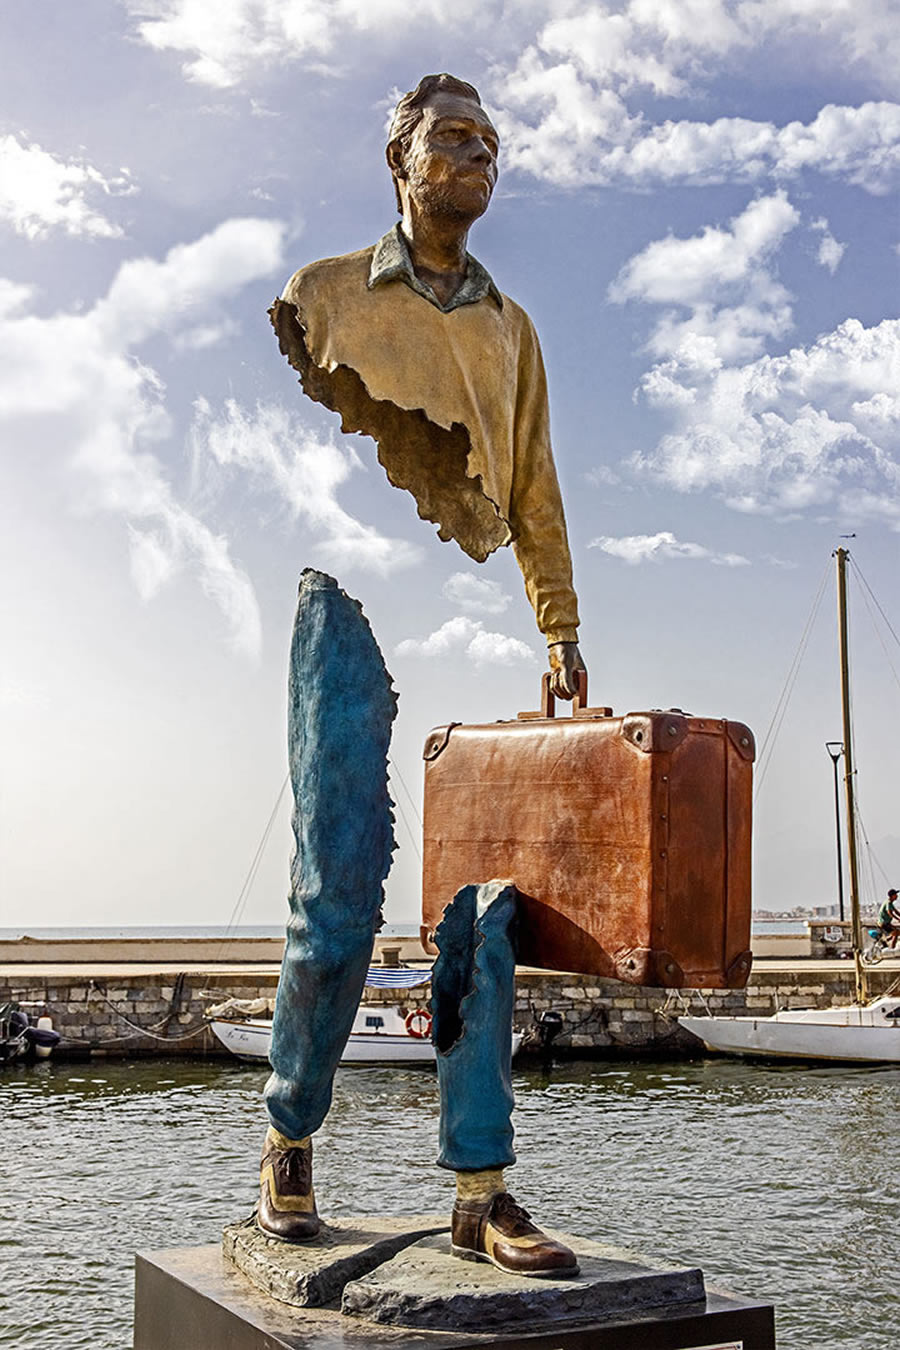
x,y
505,1206
295,1166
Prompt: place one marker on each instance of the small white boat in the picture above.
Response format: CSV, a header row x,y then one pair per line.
x,y
850,1035
382,1033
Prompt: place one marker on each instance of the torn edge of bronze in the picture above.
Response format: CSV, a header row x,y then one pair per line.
x,y
464,930
427,460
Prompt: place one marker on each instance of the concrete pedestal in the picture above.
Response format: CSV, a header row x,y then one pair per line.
x,y
193,1297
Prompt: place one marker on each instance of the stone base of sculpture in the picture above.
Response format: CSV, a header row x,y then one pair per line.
x,y
401,1272
314,1274
198,1297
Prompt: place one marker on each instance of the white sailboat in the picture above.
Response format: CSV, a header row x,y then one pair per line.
x,y
863,1032
855,1034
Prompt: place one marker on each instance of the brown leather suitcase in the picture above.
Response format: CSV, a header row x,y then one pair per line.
x,y
627,837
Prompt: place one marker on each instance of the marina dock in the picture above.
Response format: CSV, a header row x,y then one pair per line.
x,y
128,998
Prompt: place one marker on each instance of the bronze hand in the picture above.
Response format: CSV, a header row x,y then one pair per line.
x,y
565,662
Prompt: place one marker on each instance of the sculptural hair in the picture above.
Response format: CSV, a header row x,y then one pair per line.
x,y
410,110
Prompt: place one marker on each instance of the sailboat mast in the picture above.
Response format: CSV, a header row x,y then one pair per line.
x,y
862,993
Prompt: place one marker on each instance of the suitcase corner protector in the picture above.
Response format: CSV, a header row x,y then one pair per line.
x,y
742,739
437,740
738,973
649,966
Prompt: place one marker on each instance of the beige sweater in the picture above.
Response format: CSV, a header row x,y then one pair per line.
x,y
457,403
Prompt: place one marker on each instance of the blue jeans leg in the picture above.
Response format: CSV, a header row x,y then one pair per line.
x,y
473,993
341,706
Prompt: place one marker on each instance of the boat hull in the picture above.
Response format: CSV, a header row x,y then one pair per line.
x,y
249,1041
798,1038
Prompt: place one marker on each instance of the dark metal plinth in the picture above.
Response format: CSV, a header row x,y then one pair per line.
x,y
191,1298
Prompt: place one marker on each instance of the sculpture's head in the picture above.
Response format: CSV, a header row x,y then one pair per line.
x,y
442,149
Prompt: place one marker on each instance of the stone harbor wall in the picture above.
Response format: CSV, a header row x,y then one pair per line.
x,y
126,1015
162,1014
603,1018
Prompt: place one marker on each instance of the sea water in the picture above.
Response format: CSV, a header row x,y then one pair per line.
x,y
777,1181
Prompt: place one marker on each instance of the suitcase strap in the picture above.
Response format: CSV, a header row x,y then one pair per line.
x,y
579,703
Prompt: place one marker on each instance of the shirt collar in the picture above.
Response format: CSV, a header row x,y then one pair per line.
x,y
391,262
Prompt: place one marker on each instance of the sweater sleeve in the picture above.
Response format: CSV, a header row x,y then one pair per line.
x,y
538,523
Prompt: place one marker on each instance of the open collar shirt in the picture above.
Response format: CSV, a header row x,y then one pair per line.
x,y
391,261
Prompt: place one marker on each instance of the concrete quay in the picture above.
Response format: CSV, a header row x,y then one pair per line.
x,y
822,939
145,1007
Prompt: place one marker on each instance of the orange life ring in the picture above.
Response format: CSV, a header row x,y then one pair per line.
x,y
418,1024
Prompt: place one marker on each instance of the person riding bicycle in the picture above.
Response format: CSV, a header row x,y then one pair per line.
x,y
889,918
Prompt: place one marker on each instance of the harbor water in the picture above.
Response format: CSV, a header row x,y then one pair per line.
x,y
777,1181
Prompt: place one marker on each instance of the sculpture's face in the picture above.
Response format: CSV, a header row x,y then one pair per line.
x,y
451,163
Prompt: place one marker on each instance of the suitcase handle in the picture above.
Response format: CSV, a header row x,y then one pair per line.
x,y
579,703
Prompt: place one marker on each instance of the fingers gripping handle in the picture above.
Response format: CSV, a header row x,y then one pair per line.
x,y
579,703
548,698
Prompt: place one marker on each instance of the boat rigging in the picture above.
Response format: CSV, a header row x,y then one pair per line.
x,y
865,1031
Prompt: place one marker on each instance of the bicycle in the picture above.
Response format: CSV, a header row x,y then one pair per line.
x,y
879,943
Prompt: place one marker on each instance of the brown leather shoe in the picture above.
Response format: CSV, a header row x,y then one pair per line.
x,y
500,1231
287,1202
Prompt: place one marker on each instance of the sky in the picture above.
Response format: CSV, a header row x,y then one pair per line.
x,y
697,205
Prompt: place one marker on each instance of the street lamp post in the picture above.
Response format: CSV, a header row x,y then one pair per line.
x,y
835,751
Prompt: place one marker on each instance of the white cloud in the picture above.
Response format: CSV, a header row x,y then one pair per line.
x,y
171,297
152,564
205,335
723,277
475,594
305,472
603,476
224,42
566,70
862,36
558,127
14,296
39,192
235,40
655,46
782,434
496,649
670,46
569,105
830,251
691,271
469,635
814,428
77,381
639,548
667,47
860,144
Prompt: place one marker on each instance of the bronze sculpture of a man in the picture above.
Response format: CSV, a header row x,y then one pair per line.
x,y
413,344
453,389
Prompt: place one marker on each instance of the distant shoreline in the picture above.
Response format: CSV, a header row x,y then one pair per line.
x,y
214,931
274,930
